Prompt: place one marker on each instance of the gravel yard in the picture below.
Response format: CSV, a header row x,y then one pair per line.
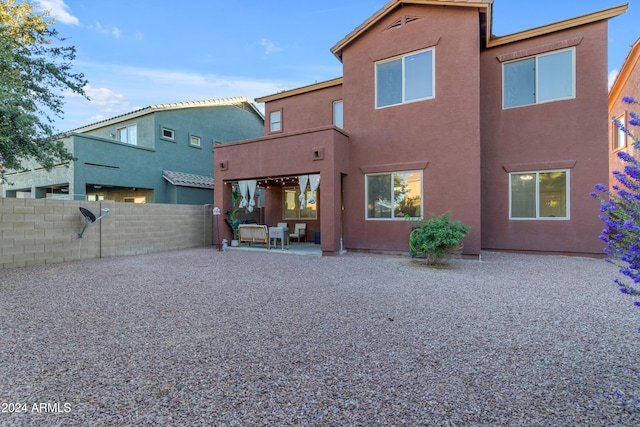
x,y
241,338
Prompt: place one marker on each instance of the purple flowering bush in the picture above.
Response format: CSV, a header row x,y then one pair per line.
x,y
620,212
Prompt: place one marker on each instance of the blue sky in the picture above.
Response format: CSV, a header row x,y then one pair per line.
x,y
137,53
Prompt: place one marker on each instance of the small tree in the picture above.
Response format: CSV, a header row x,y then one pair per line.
x,y
33,74
437,238
620,212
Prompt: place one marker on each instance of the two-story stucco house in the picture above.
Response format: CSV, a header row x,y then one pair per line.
x,y
158,154
434,113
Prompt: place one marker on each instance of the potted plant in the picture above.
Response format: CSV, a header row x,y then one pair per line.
x,y
234,223
437,239
231,219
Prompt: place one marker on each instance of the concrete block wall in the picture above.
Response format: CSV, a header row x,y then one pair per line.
x,y
45,231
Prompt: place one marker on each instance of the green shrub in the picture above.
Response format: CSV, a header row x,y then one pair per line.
x,y
437,238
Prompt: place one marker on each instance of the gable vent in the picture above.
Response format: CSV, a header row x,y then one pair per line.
x,y
397,24
403,21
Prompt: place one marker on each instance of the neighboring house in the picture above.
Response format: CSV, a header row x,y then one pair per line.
x,y
159,154
627,83
433,114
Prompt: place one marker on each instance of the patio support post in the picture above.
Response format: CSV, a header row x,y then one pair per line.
x,y
330,212
222,199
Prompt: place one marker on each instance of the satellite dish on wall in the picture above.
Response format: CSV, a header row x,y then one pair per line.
x,y
88,214
90,217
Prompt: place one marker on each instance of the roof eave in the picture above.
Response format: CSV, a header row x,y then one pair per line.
x,y
113,120
628,65
301,90
559,26
178,183
222,102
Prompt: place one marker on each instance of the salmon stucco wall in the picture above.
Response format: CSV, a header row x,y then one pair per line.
x,y
439,136
304,112
569,134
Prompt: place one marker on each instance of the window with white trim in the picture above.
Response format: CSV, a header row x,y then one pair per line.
x,y
338,114
539,195
538,79
168,134
194,140
619,135
404,79
128,134
394,195
275,121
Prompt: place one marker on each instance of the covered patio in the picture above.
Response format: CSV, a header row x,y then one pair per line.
x,y
274,172
304,248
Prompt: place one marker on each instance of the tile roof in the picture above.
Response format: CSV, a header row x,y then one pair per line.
x,y
183,179
221,102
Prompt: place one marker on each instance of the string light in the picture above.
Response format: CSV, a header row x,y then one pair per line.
x,y
281,180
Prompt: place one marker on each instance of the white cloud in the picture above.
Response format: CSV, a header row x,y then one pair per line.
x,y
122,89
97,118
269,47
58,10
188,86
109,29
102,96
612,77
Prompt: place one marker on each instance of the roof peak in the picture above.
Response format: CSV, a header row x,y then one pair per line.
x,y
391,6
485,7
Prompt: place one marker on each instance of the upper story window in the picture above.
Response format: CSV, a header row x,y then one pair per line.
x,y
394,195
619,135
405,79
338,114
539,195
275,121
542,78
128,134
168,134
194,141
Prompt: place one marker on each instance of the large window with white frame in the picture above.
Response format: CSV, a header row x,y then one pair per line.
x,y
539,195
406,78
128,134
538,79
395,195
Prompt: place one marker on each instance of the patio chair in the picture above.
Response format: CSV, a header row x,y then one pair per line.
x,y
299,232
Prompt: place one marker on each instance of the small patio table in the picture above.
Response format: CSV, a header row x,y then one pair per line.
x,y
281,233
